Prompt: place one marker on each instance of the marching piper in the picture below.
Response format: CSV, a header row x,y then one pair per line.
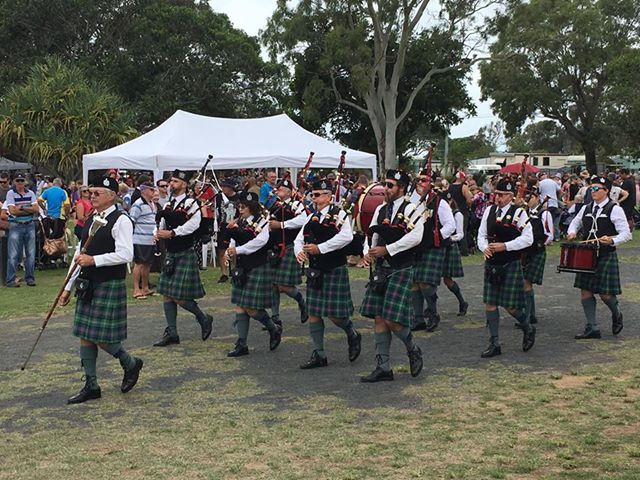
x,y
605,221
503,235
321,241
452,265
387,299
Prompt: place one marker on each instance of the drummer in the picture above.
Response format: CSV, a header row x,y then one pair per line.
x,y
611,229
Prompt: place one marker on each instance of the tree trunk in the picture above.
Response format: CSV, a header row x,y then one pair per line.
x,y
590,157
390,157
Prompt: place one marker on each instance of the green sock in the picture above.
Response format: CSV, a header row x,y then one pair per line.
x,y
455,289
407,338
171,314
263,317
192,306
493,320
522,318
418,306
532,312
88,358
612,303
275,304
295,294
430,295
316,330
242,326
589,307
347,325
383,346
528,296
117,350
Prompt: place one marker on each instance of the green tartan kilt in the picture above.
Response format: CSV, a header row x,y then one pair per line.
x,y
428,267
185,283
104,318
533,269
452,264
605,280
289,272
395,304
511,293
257,293
334,298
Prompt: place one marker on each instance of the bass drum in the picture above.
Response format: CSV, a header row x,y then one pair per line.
x,y
371,197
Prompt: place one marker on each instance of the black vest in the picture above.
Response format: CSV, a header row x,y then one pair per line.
x,y
391,232
539,237
503,231
604,225
102,243
429,233
281,212
317,232
174,218
243,233
455,189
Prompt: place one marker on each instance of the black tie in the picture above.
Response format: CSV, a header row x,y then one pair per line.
x,y
390,211
596,211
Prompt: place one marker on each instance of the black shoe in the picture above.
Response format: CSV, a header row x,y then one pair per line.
x,y
315,361
419,326
415,361
275,319
434,321
588,333
167,339
533,320
13,285
31,283
492,351
87,393
616,326
354,346
207,326
131,376
462,311
378,375
304,315
275,336
529,339
223,279
239,351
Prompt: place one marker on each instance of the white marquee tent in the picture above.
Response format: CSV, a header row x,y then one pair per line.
x,y
185,139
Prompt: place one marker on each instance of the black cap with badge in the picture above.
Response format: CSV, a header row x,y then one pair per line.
x,y
244,197
286,183
322,185
399,176
601,180
182,175
105,182
505,185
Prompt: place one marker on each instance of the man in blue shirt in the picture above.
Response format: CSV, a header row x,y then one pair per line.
x,y
21,204
55,202
267,187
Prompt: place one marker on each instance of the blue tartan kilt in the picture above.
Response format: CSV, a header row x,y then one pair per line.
x,y
184,283
428,266
533,269
452,264
257,293
289,272
104,318
395,304
334,298
511,293
605,280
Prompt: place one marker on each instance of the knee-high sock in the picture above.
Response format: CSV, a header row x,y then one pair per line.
x,y
528,296
88,357
242,327
407,338
532,304
347,325
522,318
430,295
455,289
171,315
295,294
316,331
275,305
264,318
418,306
383,346
589,307
192,306
612,303
493,320
117,350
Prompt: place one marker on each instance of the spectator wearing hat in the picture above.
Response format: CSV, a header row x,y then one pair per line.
x,y
180,282
226,212
143,214
21,205
462,196
505,232
605,221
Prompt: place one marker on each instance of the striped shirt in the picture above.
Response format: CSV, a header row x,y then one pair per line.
x,y
143,215
14,198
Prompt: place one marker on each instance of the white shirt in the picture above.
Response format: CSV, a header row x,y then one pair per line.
x,y
459,235
547,224
614,193
549,188
410,240
122,234
193,223
617,217
445,217
300,220
254,244
340,240
524,240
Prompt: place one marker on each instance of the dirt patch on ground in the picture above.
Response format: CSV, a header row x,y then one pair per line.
x,y
621,430
573,381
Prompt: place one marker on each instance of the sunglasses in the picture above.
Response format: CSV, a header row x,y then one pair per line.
x,y
316,194
163,186
502,194
19,180
96,193
595,188
390,185
3,182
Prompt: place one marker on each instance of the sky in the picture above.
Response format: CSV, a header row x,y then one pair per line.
x,y
251,16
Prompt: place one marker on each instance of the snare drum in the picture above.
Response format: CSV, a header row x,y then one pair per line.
x,y
368,201
578,257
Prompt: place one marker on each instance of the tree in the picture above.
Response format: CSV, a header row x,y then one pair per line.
x,y
624,111
371,61
480,145
546,136
58,115
559,65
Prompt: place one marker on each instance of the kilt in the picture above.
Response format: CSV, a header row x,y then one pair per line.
x,y
104,318
395,304
428,267
185,283
289,272
605,280
511,293
533,269
334,298
257,293
452,263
